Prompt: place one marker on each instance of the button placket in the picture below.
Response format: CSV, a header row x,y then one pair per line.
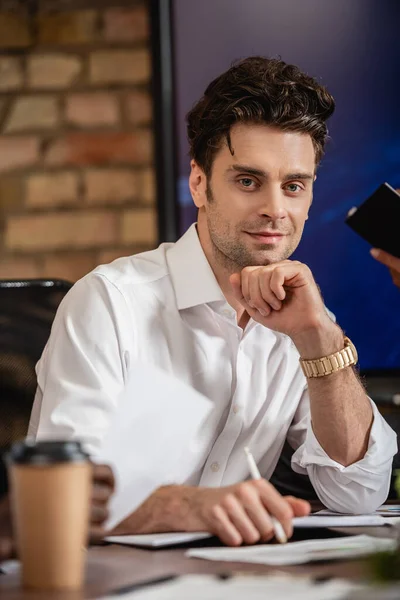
x,y
221,451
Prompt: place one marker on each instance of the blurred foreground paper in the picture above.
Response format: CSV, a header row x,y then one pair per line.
x,y
298,553
155,438
251,587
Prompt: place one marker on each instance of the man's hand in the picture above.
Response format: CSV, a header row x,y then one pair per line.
x,y
242,513
389,261
282,296
102,489
237,514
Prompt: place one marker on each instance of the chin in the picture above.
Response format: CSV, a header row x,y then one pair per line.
x,y
258,261
268,258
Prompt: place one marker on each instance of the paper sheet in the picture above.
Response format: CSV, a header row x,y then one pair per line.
x,y
338,520
199,587
321,519
386,510
389,510
158,540
154,437
296,553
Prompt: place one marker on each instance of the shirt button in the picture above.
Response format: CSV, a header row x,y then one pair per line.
x,y
215,467
236,409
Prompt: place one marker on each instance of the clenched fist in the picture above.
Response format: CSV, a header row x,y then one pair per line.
x,y
282,296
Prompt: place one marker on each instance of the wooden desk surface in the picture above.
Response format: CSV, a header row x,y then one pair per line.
x,y
110,567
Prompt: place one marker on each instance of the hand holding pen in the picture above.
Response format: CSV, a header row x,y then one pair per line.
x,y
241,513
282,527
279,532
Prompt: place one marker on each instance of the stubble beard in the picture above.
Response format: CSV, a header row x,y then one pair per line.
x,y
230,252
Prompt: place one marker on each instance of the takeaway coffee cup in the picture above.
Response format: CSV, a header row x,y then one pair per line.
x,y
50,499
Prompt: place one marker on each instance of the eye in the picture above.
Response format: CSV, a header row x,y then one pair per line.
x,y
293,188
246,182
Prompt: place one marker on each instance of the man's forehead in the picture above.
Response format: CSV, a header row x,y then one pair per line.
x,y
267,143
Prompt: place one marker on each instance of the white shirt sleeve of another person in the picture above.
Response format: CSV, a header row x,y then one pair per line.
x,y
358,488
83,368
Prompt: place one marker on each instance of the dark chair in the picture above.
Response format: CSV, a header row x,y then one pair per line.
x,y
289,483
27,310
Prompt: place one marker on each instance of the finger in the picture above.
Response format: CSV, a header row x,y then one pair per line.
x,y
96,534
256,511
103,474
386,259
267,292
301,508
253,312
246,276
276,505
101,493
98,513
235,281
276,283
295,274
240,519
223,527
395,277
256,298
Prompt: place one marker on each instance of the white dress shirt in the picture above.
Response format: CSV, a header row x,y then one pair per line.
x,y
166,308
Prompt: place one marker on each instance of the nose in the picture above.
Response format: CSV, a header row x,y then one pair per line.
x,y
273,204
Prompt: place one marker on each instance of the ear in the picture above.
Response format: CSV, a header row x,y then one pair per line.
x,y
197,184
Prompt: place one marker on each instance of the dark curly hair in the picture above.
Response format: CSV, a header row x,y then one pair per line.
x,y
258,90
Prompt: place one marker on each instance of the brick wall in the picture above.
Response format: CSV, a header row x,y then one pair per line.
x,y
76,141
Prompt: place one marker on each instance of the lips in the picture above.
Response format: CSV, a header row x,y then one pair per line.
x,y
267,237
267,233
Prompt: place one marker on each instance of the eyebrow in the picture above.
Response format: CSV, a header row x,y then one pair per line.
x,y
264,174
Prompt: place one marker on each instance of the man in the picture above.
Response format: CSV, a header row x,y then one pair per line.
x,y
103,486
392,262
225,310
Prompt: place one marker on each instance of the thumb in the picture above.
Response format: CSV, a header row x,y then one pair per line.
x,y
301,508
386,259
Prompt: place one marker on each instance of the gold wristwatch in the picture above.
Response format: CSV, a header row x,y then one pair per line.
x,y
319,367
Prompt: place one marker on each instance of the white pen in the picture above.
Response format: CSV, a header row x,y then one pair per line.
x,y
279,532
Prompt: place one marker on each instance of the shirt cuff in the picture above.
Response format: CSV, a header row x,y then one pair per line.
x,y
382,446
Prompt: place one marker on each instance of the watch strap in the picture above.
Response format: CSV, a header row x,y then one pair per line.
x,y
320,367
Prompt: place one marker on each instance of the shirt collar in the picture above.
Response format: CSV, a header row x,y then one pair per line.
x,y
192,277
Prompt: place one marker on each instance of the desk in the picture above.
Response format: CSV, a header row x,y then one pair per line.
x,y
110,567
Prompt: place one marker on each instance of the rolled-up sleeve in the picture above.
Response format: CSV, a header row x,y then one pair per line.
x,y
358,488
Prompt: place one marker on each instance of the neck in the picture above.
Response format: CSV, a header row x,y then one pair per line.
x,y
222,268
